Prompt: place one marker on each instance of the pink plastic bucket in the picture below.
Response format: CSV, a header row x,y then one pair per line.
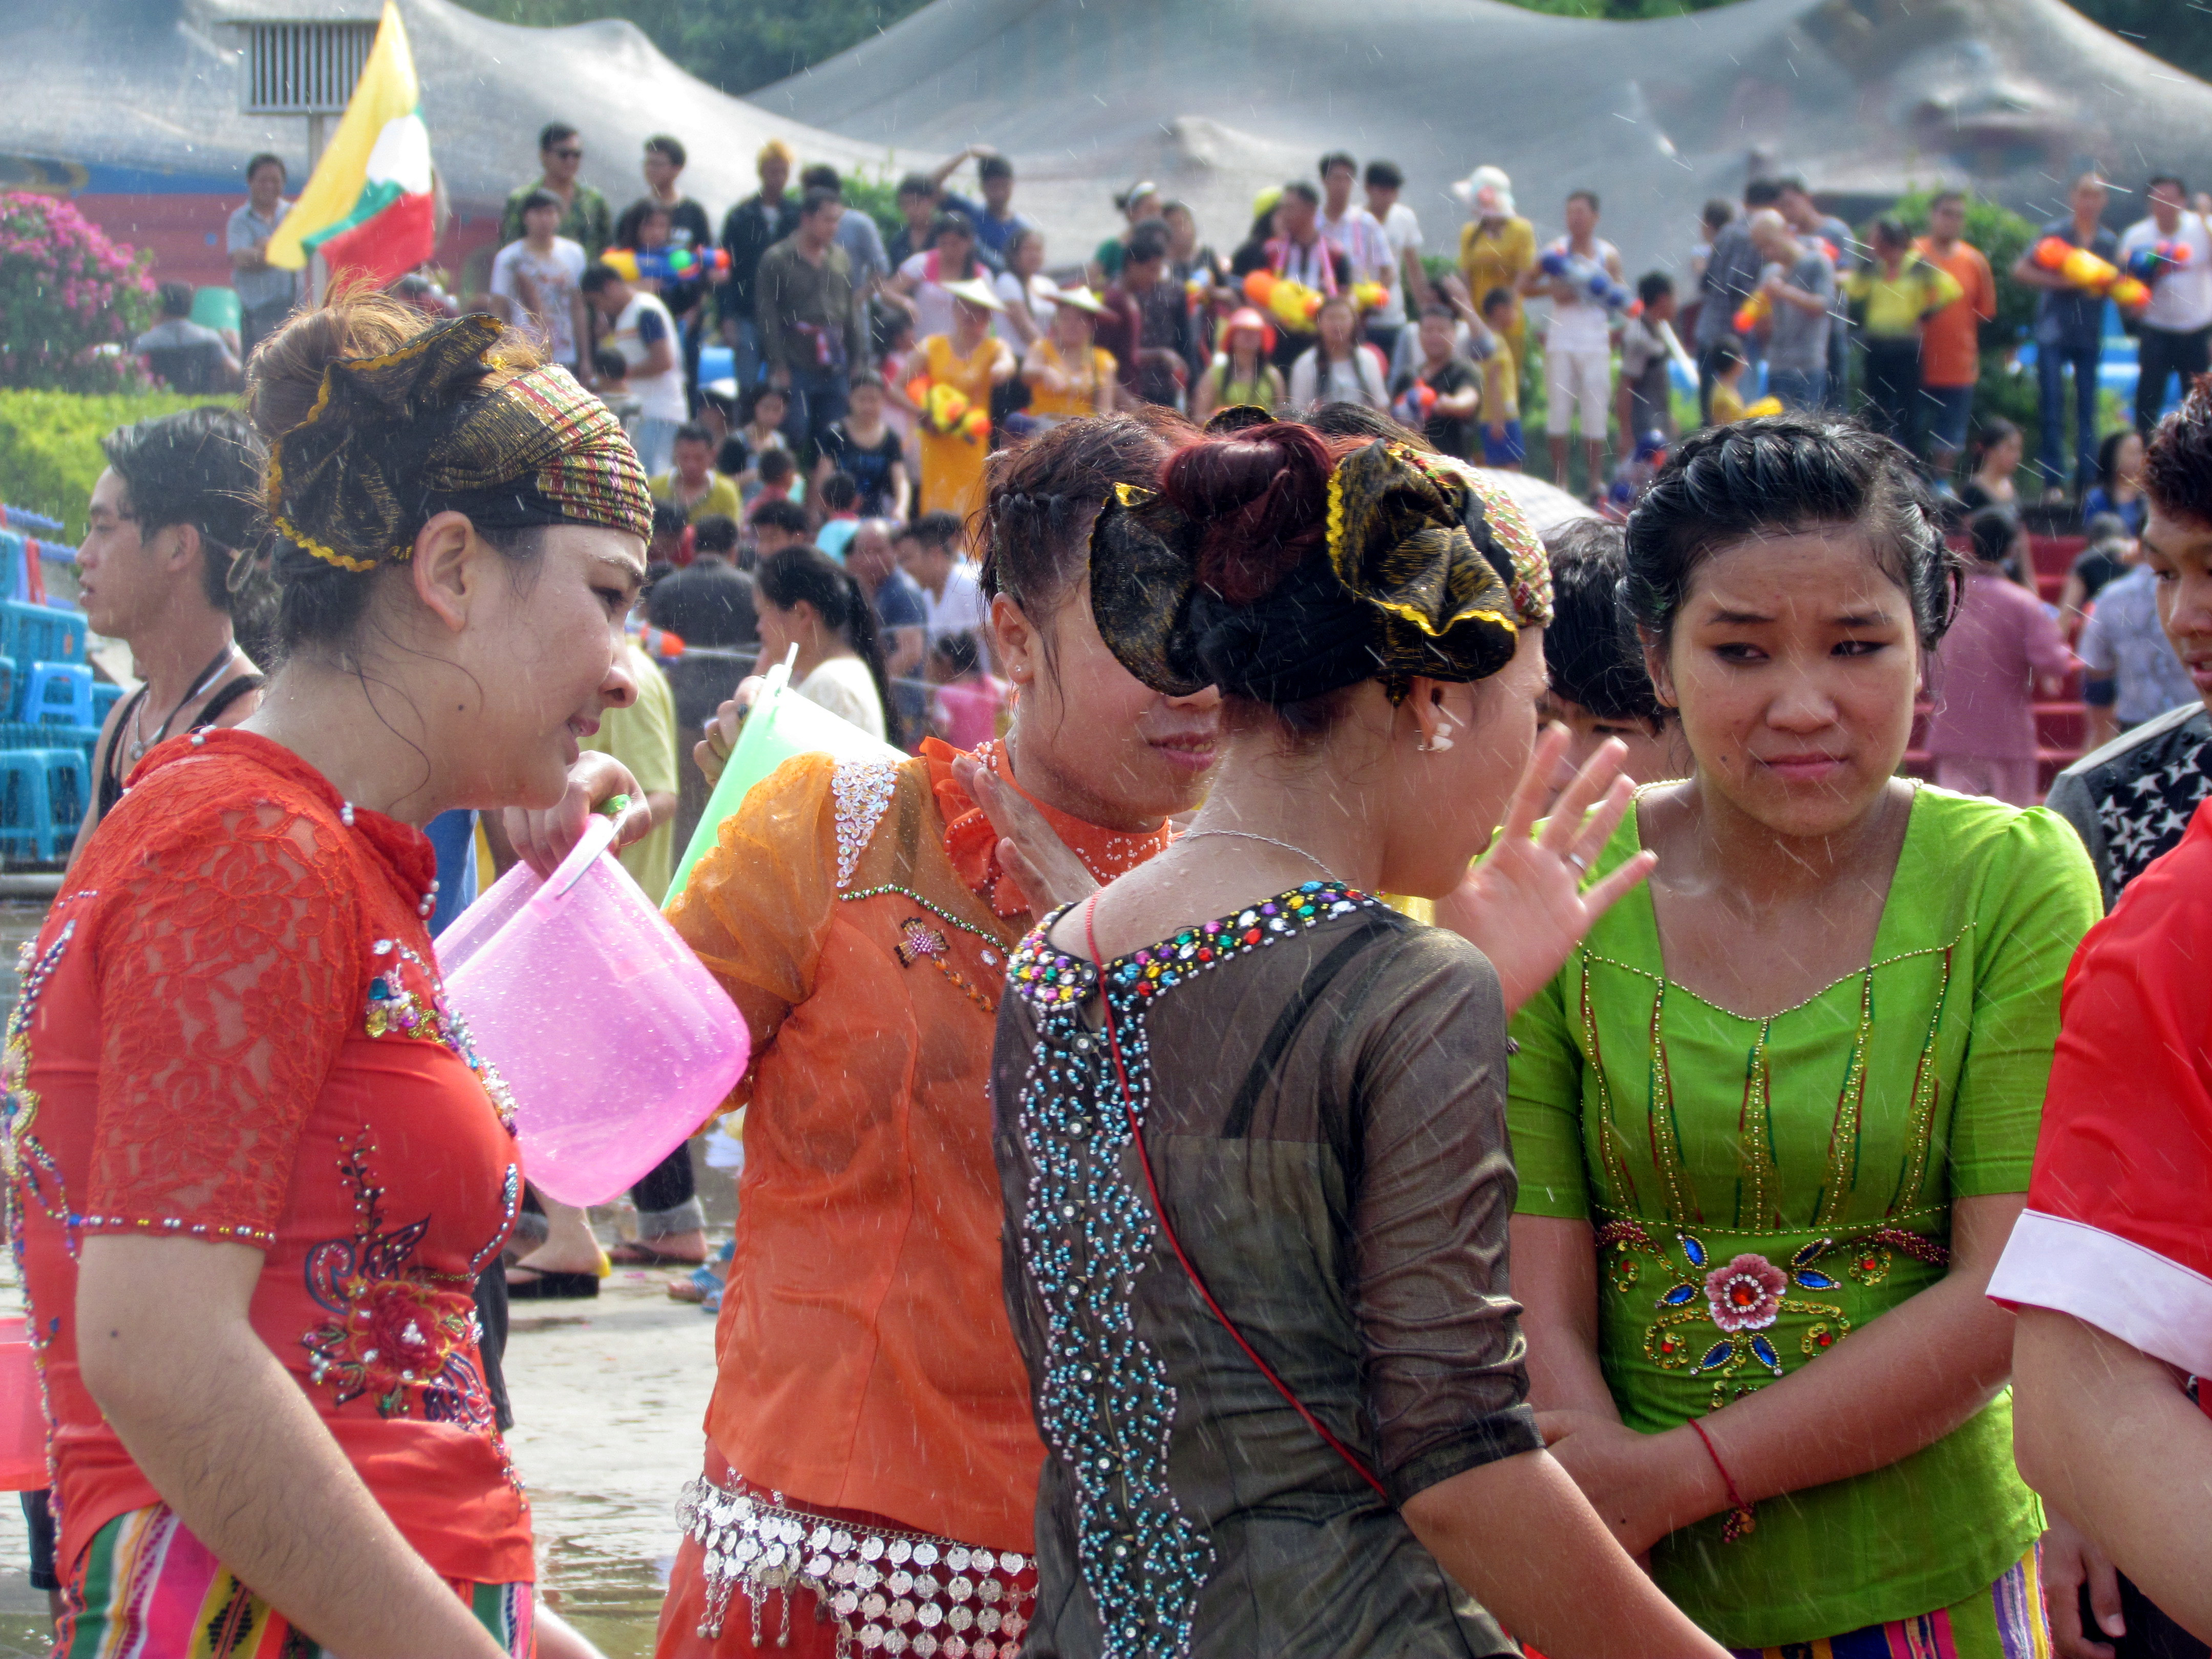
x,y
617,1044
22,1419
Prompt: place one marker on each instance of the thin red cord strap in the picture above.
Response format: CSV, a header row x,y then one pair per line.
x,y
1167,1229
1742,1520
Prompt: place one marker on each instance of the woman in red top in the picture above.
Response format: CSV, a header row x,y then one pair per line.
x,y
256,1167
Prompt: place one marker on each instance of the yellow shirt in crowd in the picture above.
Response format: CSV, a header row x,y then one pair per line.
x,y
642,737
1895,305
721,497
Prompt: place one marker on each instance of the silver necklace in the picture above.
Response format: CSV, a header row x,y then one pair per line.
x,y
1247,835
139,742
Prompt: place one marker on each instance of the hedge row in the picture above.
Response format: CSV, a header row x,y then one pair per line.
x,y
50,454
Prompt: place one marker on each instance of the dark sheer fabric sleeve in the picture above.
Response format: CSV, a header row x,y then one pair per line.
x,y
1439,1330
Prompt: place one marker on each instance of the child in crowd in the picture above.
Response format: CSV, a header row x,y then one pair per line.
x,y
672,535
1501,386
775,478
839,498
1648,348
1596,685
1728,381
1981,732
611,376
965,707
762,432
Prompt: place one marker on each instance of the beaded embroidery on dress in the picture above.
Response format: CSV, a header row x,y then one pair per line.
x,y
1106,1405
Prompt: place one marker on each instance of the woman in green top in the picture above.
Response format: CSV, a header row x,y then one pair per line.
x,y
1780,1105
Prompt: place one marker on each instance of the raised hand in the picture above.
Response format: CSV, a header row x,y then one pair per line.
x,y
1028,849
1524,904
542,838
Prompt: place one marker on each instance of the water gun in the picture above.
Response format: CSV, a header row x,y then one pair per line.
x,y
946,411
1370,296
1767,405
2147,264
1415,404
1588,275
1752,311
658,641
667,265
2084,270
1292,304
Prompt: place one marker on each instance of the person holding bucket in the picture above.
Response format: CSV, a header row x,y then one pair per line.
x,y
256,1163
870,1395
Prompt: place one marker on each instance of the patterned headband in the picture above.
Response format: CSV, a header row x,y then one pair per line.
x,y
394,439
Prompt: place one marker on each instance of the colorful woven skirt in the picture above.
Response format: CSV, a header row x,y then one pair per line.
x,y
149,1590
2005,1621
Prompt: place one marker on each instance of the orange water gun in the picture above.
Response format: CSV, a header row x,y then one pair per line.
x,y
2084,270
1752,311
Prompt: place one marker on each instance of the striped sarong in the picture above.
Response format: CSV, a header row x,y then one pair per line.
x,y
149,1590
2005,1621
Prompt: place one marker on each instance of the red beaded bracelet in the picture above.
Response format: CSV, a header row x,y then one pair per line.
x,y
1741,1521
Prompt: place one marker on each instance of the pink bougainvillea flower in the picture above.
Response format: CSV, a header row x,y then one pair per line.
x,y
1746,1295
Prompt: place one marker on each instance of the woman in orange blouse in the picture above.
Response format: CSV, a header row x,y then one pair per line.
x,y
872,1464
257,1166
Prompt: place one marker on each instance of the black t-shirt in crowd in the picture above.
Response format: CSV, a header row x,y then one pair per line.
x,y
1453,435
708,603
869,468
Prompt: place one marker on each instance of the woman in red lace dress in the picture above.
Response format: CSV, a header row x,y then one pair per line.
x,y
256,1167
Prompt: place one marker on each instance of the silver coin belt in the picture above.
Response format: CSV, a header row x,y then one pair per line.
x,y
889,1591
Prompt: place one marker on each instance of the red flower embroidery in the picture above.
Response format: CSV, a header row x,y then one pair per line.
x,y
1746,1295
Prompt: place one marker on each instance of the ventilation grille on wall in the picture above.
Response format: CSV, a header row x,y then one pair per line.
x,y
305,69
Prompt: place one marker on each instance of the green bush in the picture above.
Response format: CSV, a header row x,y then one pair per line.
x,y
875,194
50,455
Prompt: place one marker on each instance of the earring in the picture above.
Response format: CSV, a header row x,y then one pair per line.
x,y
1434,745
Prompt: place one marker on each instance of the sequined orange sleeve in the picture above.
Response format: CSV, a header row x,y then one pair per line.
x,y
759,904
228,970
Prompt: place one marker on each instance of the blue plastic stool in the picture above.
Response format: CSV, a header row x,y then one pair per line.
x,y
58,694
105,694
40,633
26,820
10,684
67,773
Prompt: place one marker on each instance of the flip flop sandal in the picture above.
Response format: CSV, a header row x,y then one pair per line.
x,y
702,1283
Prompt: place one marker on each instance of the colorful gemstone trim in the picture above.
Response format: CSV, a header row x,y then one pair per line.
x,y
1105,1404
396,1010
1048,977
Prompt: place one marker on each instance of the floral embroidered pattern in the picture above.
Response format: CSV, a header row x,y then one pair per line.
x,y
1740,1301
1746,1295
401,1334
396,1010
863,790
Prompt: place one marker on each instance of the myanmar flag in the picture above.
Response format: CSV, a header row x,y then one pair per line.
x,y
370,207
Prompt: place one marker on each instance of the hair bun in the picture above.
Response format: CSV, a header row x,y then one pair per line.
x,y
1260,496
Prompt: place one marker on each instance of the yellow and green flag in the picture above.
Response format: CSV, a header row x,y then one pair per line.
x,y
370,207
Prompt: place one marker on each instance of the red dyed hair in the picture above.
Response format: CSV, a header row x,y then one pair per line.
x,y
1261,497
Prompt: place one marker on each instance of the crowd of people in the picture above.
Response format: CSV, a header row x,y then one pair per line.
x,y
1225,1164
973,333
